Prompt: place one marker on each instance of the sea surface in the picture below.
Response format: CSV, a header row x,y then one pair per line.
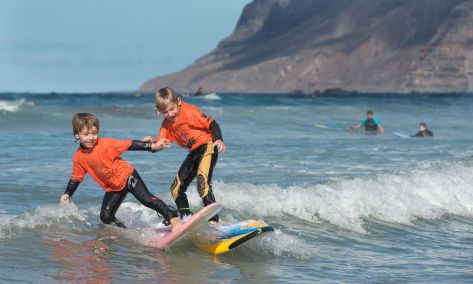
x,y
346,207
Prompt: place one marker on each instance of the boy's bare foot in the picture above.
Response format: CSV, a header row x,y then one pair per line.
x,y
175,223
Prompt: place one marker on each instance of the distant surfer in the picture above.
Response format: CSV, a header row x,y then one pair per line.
x,y
100,157
423,131
201,135
371,124
199,92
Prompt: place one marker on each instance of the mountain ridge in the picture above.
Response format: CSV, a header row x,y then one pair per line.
x,y
397,46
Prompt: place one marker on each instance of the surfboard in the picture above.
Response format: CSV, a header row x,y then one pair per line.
x,y
223,237
329,127
166,237
400,135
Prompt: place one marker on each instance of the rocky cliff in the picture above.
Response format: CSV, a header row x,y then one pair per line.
x,y
314,45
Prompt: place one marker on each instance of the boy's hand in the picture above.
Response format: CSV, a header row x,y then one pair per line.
x,y
147,139
220,145
161,144
64,198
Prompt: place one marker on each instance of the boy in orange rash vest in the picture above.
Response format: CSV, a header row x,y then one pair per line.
x,y
100,157
186,125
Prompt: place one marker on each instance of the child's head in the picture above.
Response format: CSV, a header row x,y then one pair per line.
x,y
422,126
85,127
369,114
167,103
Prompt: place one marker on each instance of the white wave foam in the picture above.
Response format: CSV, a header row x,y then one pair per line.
x,y
11,106
212,96
144,221
141,222
46,216
137,215
423,193
283,244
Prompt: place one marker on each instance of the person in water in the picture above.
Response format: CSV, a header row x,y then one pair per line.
x,y
423,131
186,125
371,123
100,157
199,92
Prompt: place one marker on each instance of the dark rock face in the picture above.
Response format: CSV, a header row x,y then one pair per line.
x,y
315,45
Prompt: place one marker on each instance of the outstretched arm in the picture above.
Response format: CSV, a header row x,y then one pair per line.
x,y
137,145
356,126
70,189
380,129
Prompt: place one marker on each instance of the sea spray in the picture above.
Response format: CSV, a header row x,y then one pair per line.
x,y
42,217
11,106
400,198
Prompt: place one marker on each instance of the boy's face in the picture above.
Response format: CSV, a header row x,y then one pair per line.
x,y
422,127
171,111
369,115
88,136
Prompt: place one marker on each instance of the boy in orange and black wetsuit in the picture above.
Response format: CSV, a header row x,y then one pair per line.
x,y
189,128
100,157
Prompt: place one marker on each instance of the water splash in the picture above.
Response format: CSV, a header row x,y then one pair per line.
x,y
41,217
12,106
399,198
212,96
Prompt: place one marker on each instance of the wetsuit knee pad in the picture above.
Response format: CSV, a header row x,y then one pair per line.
x,y
202,185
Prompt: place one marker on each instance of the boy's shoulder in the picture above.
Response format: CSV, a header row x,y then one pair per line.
x,y
189,107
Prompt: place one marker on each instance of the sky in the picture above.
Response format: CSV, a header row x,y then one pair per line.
x,y
105,45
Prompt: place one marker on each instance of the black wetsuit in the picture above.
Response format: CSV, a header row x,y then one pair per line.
x,y
370,125
199,164
425,133
135,185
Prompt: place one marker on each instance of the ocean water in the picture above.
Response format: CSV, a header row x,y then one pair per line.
x,y
347,207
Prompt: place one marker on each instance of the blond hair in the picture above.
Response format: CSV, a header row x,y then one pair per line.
x,y
80,120
163,98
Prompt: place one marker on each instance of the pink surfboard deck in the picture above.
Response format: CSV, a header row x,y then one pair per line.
x,y
197,221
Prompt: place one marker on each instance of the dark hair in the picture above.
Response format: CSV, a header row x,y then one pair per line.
x,y
369,112
423,124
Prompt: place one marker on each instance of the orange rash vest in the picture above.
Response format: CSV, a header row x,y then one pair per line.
x,y
191,129
103,163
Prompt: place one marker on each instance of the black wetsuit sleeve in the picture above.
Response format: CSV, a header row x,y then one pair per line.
x,y
71,187
216,132
418,134
137,145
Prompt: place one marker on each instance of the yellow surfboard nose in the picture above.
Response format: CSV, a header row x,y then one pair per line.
x,y
223,237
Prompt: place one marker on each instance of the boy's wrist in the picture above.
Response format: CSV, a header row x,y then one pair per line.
x,y
155,147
